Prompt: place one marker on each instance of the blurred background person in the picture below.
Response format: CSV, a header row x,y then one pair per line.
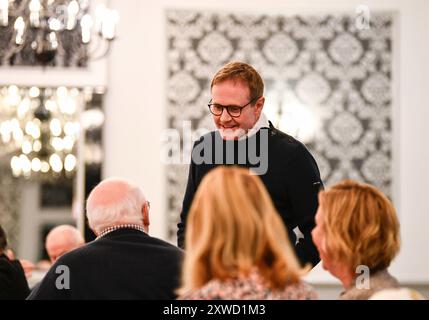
x,y
236,243
357,228
13,283
62,239
124,262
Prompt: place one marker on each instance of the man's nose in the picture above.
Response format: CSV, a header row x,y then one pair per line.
x,y
225,117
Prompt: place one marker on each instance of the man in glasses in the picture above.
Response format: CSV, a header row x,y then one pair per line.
x,y
292,176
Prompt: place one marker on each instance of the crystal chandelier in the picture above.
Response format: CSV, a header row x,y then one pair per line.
x,y
59,32
39,128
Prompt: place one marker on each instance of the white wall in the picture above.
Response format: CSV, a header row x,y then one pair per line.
x,y
136,108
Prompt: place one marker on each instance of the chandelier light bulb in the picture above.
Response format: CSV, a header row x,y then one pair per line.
x,y
13,90
72,11
54,24
55,127
62,92
110,20
15,164
23,108
86,25
25,164
70,162
18,135
19,27
51,105
58,144
56,163
35,8
34,92
37,146
36,165
99,16
4,13
68,143
45,167
26,147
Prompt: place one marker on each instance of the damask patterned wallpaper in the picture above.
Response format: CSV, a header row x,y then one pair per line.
x,y
328,83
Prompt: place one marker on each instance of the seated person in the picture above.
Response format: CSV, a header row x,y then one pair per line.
x,y
124,262
13,284
62,239
236,243
357,230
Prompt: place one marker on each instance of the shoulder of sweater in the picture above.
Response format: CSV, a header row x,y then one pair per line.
x,y
208,135
91,249
273,133
287,147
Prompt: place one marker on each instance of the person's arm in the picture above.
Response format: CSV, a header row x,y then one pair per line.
x,y
187,201
303,184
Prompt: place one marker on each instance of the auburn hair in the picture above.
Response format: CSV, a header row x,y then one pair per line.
x,y
241,71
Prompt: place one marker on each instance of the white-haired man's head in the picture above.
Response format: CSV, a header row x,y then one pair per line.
x,y
62,239
116,202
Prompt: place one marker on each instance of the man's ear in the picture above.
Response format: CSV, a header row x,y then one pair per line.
x,y
145,214
259,105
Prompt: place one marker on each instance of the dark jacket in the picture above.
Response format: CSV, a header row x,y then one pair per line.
x,y
292,179
123,264
13,284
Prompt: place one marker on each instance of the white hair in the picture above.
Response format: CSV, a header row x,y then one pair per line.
x,y
127,210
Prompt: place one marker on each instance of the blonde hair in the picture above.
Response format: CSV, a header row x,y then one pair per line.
x,y
240,71
232,228
360,225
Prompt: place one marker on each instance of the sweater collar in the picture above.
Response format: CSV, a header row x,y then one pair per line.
x,y
261,123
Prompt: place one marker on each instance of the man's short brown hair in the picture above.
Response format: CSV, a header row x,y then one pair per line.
x,y
241,71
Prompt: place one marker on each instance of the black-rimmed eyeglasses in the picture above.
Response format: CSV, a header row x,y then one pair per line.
x,y
234,111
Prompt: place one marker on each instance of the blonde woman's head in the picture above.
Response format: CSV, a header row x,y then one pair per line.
x,y
233,228
356,225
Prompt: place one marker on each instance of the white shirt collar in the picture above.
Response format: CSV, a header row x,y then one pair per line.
x,y
261,123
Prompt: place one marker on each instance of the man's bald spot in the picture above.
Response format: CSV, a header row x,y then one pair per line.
x,y
109,192
64,236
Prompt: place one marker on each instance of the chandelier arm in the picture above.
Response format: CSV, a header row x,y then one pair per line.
x,y
84,54
60,49
106,51
16,12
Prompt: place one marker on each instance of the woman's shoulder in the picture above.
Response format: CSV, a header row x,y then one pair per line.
x,y
300,291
